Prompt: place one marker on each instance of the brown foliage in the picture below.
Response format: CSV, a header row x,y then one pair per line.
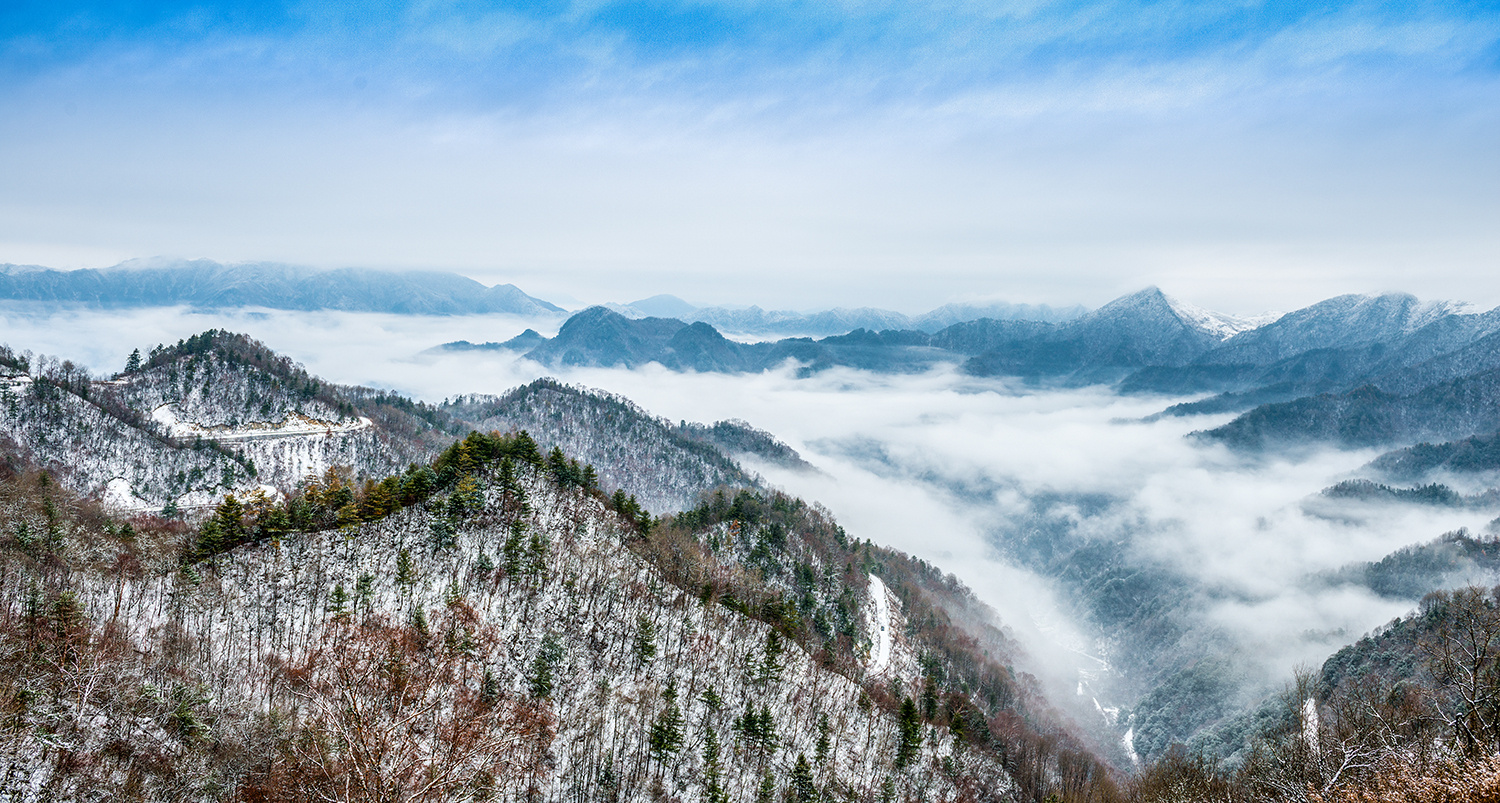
x,y
1401,780
384,715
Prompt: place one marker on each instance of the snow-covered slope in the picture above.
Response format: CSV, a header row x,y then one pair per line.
x,y
217,412
529,656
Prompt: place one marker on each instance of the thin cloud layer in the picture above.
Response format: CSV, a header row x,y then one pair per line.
x,y
1250,156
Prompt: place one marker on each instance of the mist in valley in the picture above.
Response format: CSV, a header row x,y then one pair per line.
x,y
1006,486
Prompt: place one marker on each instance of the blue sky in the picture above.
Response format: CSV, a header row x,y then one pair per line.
x,y
1242,155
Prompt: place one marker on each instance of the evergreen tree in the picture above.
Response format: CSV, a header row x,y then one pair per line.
x,y
770,664
803,789
645,640
418,622
444,535
515,548
665,737
133,362
824,743
767,791
609,782
364,589
406,574
713,788
536,555
541,676
909,730
489,688
338,602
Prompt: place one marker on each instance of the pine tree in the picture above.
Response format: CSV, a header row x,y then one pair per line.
x,y
515,548
489,688
338,602
767,791
133,362
713,790
405,572
909,729
645,640
770,665
541,676
364,589
803,789
824,744
665,737
444,535
418,622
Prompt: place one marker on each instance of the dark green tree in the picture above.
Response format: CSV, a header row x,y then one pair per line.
x,y
338,602
540,678
645,640
909,730
803,789
767,791
406,574
665,737
133,362
769,670
713,786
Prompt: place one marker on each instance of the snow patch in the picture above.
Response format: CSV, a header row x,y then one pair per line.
x,y
293,425
1219,324
880,657
1128,742
119,495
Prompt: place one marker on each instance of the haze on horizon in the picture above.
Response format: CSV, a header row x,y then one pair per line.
x,y
1243,157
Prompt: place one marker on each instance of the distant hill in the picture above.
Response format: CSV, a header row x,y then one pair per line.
x,y
204,283
665,466
1144,329
1355,371
754,321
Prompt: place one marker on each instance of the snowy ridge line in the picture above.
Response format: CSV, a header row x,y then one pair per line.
x,y
294,424
1219,324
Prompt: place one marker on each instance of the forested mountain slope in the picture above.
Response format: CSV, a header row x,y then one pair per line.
x,y
664,465
508,632
212,413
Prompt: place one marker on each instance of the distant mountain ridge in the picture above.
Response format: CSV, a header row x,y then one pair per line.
x,y
1356,371
204,283
754,321
1140,330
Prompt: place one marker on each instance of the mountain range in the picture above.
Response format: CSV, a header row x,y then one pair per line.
x,y
1355,370
754,321
208,284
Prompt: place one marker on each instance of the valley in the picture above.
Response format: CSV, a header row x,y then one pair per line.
x,y
1151,584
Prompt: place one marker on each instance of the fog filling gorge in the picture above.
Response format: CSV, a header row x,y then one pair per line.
x,y
940,465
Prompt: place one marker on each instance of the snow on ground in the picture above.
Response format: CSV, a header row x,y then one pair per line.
x,y
118,495
880,656
292,425
1219,324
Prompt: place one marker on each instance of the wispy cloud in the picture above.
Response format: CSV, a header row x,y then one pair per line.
x,y
1256,155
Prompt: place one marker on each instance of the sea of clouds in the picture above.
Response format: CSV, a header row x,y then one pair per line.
x,y
943,466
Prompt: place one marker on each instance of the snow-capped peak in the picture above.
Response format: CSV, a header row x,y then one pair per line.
x,y
1219,324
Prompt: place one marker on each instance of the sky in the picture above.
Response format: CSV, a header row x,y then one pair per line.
x,y
1244,156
